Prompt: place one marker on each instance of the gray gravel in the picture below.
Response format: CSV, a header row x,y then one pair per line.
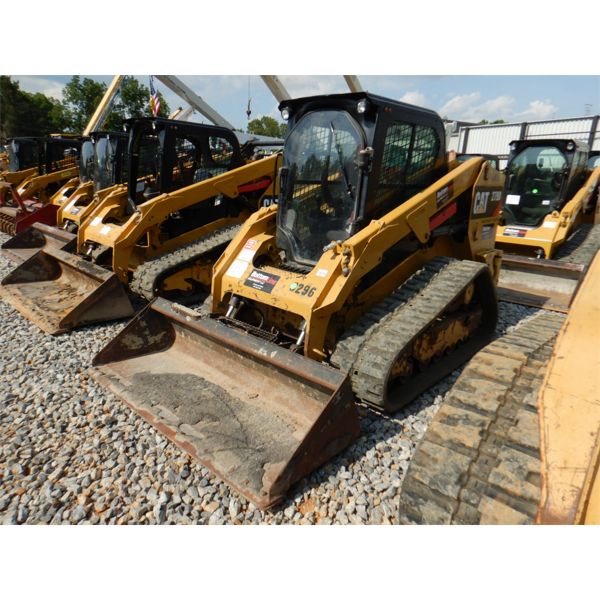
x,y
72,453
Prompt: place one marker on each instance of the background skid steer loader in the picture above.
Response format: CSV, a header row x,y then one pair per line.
x,y
200,190
102,169
550,228
23,158
374,273
57,163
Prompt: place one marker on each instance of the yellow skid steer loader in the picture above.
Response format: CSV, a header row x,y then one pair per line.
x,y
550,230
162,238
372,278
102,169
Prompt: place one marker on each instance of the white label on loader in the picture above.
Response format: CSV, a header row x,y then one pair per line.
x,y
246,255
322,273
549,224
512,199
75,210
237,268
96,221
69,206
545,202
105,230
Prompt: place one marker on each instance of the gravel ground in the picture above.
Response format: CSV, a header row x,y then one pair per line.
x,y
72,453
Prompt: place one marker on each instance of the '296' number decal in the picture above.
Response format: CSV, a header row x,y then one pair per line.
x,y
302,289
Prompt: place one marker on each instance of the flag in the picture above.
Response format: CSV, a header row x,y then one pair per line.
x,y
154,99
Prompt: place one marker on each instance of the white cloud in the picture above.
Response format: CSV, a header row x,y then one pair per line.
x,y
468,107
538,110
313,85
414,97
40,84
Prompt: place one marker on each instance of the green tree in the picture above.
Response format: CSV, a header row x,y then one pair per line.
x,y
133,101
22,113
82,96
486,122
267,126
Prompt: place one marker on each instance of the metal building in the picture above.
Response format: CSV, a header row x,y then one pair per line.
x,y
494,139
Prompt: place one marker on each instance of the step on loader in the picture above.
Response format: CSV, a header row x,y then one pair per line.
x,y
27,202
370,279
161,238
102,171
550,229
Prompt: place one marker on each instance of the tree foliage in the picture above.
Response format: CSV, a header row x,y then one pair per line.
x,y
267,126
23,113
486,122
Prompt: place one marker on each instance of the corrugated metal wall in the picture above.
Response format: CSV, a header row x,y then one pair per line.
x,y
494,139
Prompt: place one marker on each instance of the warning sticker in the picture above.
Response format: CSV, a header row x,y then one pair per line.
x,y
443,195
259,280
75,210
512,199
550,224
487,231
322,273
105,230
96,221
513,232
237,268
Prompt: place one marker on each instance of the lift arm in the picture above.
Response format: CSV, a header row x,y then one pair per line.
x,y
104,106
196,102
353,83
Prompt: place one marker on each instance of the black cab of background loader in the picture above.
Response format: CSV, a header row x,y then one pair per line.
x,y
177,154
542,175
23,153
59,152
104,159
349,159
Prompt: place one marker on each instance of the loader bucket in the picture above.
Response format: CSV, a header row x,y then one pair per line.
x,y
257,415
547,284
35,238
14,220
59,291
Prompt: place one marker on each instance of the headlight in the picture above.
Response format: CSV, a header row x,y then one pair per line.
x,y
285,113
570,146
513,146
362,106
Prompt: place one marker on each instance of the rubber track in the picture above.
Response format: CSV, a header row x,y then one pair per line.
x,y
581,247
370,347
479,460
145,276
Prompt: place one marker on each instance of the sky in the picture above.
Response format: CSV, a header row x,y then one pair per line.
x,y
460,97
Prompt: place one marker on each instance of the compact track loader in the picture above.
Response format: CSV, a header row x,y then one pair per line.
x,y
22,159
102,171
161,238
371,279
517,438
26,202
550,228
